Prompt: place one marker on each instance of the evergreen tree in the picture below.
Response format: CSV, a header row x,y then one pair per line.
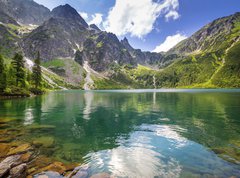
x,y
3,79
37,72
18,65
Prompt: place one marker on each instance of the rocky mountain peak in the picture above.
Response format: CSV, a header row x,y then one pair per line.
x,y
95,27
25,11
126,44
68,12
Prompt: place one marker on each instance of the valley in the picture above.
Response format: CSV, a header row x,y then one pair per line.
x,y
84,57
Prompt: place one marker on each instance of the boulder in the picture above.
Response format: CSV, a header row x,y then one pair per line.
x,y
19,171
9,163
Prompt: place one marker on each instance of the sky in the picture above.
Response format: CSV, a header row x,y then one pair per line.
x,y
150,25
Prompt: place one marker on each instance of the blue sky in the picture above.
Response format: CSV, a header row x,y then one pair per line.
x,y
150,24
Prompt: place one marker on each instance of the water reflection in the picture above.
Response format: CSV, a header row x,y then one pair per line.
x,y
88,97
28,119
136,134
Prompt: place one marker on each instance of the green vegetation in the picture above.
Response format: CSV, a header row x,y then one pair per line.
x,y
3,77
100,44
16,80
108,84
37,75
54,63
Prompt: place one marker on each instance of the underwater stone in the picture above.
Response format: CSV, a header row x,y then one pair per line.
x,y
19,171
20,149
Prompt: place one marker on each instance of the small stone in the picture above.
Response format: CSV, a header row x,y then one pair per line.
x,y
20,149
19,171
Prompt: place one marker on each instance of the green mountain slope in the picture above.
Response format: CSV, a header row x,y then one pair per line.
x,y
211,58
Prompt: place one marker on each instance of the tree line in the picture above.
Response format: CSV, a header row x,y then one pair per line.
x,y
16,79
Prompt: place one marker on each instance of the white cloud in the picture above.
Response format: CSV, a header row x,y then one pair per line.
x,y
137,18
169,42
172,14
84,15
97,19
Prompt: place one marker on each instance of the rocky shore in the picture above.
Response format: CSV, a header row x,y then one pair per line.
x,y
22,158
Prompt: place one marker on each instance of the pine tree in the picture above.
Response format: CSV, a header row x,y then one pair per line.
x,y
3,78
18,65
37,72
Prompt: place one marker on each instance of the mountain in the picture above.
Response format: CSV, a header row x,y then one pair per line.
x,y
66,32
210,58
214,36
66,12
25,11
58,37
6,19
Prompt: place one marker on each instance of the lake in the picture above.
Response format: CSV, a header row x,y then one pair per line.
x,y
134,133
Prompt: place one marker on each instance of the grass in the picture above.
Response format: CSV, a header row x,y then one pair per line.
x,y
54,63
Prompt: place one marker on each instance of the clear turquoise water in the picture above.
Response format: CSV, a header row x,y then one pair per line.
x,y
137,133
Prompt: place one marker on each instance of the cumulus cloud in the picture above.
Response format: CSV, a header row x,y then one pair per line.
x,y
169,42
172,14
84,15
137,18
97,19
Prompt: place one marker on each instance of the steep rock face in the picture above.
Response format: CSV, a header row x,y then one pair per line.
x,y
25,11
103,50
6,19
67,12
144,58
66,32
58,37
93,26
8,41
210,38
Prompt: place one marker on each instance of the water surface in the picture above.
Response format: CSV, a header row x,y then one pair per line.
x,y
137,133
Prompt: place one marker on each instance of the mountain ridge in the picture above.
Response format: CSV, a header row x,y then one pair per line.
x,y
66,42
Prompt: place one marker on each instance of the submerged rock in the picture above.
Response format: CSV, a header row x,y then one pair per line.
x,y
4,149
19,171
41,127
8,163
48,174
46,142
101,175
55,167
80,172
20,149
6,120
